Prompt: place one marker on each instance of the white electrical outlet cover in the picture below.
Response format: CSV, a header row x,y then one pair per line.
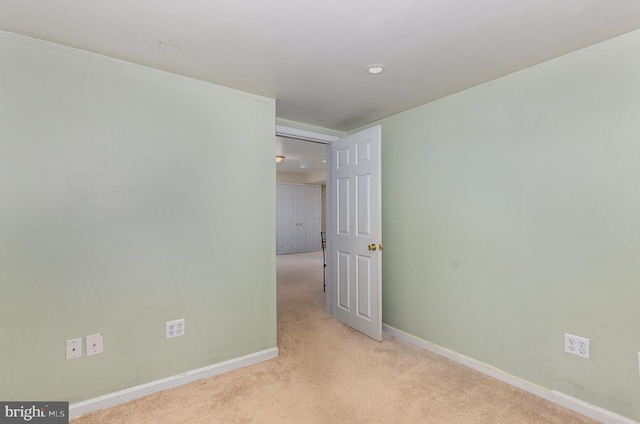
x,y
180,327
74,348
576,345
174,328
95,344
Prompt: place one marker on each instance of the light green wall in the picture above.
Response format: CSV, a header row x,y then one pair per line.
x,y
511,215
122,206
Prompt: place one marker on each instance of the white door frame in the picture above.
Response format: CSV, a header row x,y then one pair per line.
x,y
305,135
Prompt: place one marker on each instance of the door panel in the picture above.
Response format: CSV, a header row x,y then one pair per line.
x,y
344,282
354,268
363,214
364,287
343,206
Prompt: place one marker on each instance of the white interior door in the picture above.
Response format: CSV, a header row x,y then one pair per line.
x,y
286,219
354,232
309,218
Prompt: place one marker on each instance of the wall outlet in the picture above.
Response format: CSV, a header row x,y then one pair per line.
x,y
576,345
175,328
94,344
74,348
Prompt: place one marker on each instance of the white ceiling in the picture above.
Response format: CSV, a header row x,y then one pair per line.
x,y
301,157
311,56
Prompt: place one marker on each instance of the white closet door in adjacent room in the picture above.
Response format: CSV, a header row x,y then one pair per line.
x,y
298,218
286,219
309,217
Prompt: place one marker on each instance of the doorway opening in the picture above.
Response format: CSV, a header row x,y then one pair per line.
x,y
352,226
301,177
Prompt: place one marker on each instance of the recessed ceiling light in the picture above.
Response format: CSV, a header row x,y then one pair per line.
x,y
375,69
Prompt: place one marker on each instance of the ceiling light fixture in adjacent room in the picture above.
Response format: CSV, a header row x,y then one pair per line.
x,y
375,69
279,158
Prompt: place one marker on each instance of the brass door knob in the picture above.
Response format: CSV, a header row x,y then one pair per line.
x,y
372,246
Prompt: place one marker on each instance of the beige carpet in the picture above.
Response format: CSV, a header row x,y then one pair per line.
x,y
329,373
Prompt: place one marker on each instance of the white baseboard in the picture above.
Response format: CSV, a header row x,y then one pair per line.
x,y
569,402
81,408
